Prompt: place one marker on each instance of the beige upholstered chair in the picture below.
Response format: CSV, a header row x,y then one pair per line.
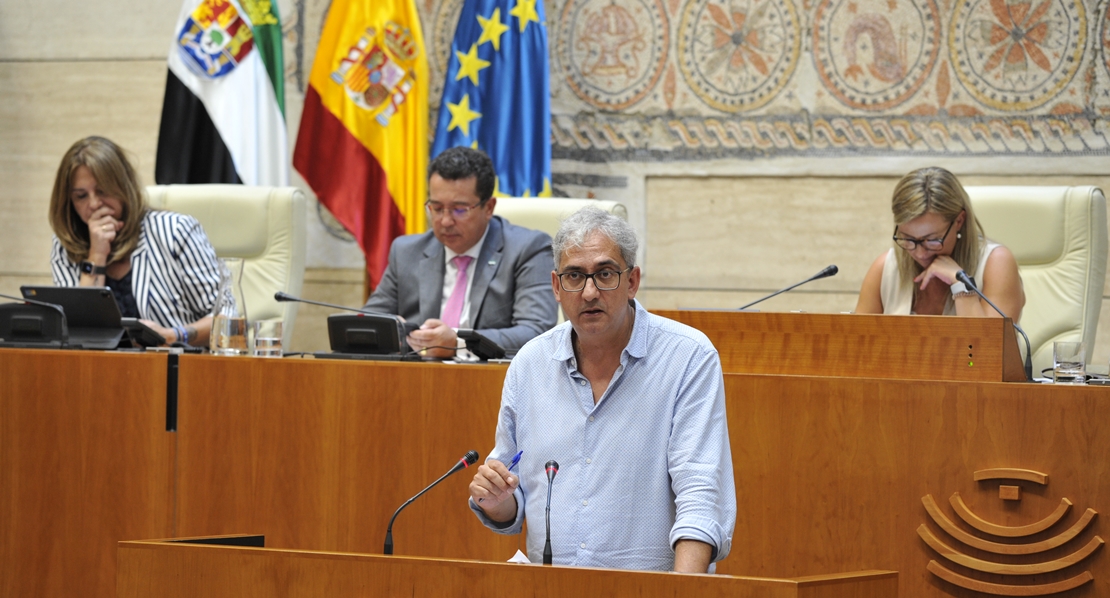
x,y
1058,236
547,213
263,225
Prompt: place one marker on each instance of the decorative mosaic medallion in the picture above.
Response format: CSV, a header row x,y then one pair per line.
x,y
737,55
1017,54
875,54
613,51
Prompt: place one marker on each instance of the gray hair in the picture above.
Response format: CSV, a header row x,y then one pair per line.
x,y
579,226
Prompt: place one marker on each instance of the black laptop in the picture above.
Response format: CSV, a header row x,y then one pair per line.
x,y
91,313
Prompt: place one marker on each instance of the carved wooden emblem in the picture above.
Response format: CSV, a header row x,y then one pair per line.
x,y
1016,542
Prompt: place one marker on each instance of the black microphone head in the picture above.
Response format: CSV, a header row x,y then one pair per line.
x,y
471,457
829,271
962,277
280,296
552,468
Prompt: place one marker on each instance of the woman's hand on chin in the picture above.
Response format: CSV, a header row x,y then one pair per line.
x,y
943,268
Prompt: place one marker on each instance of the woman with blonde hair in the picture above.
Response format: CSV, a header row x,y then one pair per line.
x,y
936,235
159,265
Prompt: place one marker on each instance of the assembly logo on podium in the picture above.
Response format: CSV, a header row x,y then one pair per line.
x,y
215,38
377,71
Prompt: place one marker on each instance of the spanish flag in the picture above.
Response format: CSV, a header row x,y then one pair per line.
x,y
363,140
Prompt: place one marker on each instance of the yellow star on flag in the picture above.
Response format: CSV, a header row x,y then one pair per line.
x,y
492,28
461,115
470,65
524,11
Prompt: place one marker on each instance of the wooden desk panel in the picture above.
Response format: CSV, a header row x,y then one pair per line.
x,y
85,461
167,570
830,474
318,454
892,347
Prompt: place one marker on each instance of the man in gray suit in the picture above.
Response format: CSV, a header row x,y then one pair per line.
x,y
472,270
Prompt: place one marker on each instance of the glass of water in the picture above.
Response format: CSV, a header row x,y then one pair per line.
x,y
267,338
1069,362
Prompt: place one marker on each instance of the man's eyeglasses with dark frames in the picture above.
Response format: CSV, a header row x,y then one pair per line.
x,y
604,280
438,210
930,244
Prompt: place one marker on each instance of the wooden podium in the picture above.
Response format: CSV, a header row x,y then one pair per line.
x,y
861,346
167,569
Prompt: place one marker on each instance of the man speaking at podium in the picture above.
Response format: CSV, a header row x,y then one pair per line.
x,y
473,270
630,405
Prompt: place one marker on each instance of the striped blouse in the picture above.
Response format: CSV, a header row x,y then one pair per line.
x,y
174,271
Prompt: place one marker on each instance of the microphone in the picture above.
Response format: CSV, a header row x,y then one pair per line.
x,y
552,468
964,278
53,306
827,272
286,297
467,460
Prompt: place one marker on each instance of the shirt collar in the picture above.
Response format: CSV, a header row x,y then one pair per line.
x,y
636,347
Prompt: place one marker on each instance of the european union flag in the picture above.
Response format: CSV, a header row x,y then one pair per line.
x,y
496,95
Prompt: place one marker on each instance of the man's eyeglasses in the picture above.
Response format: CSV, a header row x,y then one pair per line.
x,y
438,210
604,280
930,244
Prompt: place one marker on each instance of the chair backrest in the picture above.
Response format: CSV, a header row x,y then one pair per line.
x,y
263,225
1058,236
547,213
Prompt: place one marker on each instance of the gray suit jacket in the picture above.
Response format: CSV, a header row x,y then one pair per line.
x,y
510,298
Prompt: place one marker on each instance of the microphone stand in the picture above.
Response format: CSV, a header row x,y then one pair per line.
x,y
469,459
964,278
829,271
552,469
285,297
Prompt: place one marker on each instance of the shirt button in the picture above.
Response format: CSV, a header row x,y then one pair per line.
x,y
582,545
581,382
591,418
588,461
585,502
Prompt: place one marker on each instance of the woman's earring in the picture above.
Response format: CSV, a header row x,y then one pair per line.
x,y
959,235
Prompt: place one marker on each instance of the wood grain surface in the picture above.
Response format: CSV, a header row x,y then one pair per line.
x,y
85,461
869,346
164,570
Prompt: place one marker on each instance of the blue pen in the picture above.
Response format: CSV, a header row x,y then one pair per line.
x,y
512,464
516,459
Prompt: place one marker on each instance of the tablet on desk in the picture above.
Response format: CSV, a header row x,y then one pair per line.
x,y
91,313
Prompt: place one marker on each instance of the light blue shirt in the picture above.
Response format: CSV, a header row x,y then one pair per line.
x,y
647,466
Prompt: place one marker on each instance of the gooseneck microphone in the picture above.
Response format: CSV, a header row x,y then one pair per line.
x,y
964,278
53,306
827,272
286,297
552,468
470,458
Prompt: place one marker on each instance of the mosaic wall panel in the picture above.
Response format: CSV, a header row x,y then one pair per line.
x,y
671,80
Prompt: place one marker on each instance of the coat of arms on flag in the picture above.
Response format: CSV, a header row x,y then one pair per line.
x,y
378,76
215,38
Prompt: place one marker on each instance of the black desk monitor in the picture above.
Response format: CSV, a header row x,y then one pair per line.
x,y
91,314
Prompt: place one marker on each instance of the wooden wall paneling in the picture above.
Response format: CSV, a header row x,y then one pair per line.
x,y
894,347
85,461
318,454
166,570
831,473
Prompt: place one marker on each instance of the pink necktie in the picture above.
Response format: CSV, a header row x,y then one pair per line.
x,y
453,311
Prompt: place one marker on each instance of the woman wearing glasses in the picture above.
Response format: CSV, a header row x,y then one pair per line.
x,y
936,235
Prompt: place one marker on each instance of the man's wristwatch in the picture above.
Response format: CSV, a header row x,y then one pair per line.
x,y
88,267
961,290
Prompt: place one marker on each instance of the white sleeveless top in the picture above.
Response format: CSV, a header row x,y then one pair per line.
x,y
897,294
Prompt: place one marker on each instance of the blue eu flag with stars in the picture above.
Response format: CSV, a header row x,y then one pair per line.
x,y
496,95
